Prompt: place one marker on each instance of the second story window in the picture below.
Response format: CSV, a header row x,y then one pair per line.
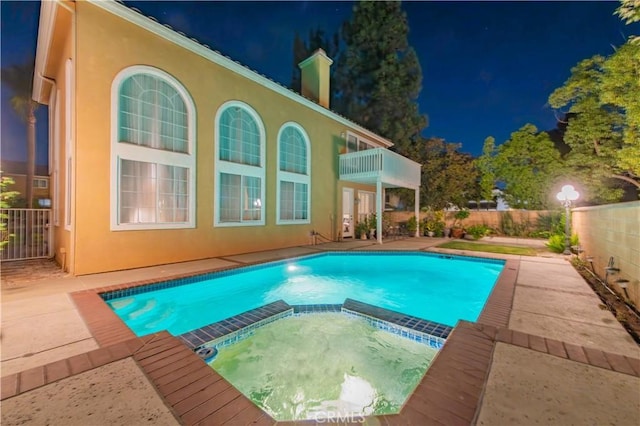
x,y
239,165
293,175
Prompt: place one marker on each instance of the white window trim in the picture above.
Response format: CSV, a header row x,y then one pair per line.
x,y
294,177
55,192
40,180
373,199
221,166
120,151
68,139
358,140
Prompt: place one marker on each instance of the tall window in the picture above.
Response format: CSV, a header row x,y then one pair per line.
x,y
293,175
153,181
239,165
366,204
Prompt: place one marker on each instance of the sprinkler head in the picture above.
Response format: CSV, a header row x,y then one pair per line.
x,y
622,283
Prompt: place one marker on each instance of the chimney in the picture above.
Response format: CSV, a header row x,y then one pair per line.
x,y
315,77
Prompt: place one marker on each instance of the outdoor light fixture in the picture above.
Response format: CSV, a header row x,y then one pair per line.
x,y
566,196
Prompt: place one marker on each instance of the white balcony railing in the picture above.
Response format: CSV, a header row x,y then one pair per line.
x,y
368,166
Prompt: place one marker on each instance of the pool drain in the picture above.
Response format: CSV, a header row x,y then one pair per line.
x,y
207,354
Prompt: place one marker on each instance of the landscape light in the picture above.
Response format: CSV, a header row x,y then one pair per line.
x,y
566,196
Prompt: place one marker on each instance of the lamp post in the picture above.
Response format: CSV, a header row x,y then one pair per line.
x,y
566,196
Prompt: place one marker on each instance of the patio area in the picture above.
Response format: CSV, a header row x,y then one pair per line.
x,y
545,353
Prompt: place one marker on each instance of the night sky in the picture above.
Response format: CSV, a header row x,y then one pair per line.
x,y
488,67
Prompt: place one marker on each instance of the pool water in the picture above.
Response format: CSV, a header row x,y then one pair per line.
x,y
319,366
423,285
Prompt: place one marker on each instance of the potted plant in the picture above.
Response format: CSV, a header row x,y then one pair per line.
x,y
412,226
439,228
361,230
372,222
457,230
433,223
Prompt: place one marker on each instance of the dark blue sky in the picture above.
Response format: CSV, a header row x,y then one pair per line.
x,y
488,67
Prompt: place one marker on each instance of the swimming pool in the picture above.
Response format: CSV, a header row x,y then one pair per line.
x,y
437,288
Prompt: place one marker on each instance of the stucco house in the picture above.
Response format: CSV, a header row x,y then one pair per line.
x,y
163,150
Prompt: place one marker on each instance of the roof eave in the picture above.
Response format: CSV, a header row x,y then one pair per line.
x,y
41,87
195,46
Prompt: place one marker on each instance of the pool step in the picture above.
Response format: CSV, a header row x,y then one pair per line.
x,y
398,318
235,328
251,318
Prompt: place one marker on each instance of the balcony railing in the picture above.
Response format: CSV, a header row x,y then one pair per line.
x,y
368,166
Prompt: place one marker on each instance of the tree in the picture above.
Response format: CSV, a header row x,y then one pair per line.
x,y
378,76
484,165
528,164
629,12
303,49
19,79
448,176
603,109
5,202
596,124
620,87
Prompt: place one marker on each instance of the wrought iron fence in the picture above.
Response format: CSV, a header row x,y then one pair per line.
x,y
28,232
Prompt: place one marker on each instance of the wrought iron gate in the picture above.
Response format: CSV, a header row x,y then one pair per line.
x,y
29,233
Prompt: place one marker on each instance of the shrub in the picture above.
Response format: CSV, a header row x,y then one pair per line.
x,y
507,226
478,231
556,242
459,217
5,202
510,228
549,224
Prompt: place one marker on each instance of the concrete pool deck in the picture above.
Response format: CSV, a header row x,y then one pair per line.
x,y
559,359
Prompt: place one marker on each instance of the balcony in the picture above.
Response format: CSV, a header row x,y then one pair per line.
x,y
380,165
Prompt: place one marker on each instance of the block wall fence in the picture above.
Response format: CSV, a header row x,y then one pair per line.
x,y
491,218
612,230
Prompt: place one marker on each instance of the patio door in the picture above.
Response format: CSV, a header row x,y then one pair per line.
x,y
347,213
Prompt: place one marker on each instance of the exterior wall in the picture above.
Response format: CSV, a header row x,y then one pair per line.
x,y
62,234
104,50
612,231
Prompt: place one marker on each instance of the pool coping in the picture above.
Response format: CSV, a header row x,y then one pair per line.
x,y
455,380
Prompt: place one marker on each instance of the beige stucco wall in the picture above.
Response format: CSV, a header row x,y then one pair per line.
x,y
612,230
106,45
62,49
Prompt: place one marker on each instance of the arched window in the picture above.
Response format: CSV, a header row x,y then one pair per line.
x,y
153,151
239,165
294,181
